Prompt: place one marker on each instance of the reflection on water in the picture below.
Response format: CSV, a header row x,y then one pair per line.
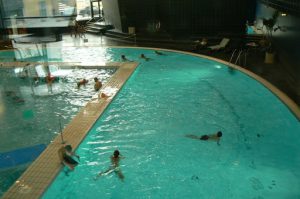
x,y
34,108
30,114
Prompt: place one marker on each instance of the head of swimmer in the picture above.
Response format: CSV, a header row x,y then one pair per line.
x,y
219,134
96,79
116,153
68,148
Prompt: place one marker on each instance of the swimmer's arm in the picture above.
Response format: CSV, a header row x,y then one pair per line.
x,y
74,154
77,156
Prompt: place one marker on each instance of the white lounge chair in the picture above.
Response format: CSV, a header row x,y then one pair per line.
x,y
221,45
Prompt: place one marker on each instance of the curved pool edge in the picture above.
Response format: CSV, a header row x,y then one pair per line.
x,y
292,106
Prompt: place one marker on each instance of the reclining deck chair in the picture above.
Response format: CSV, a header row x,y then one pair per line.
x,y
221,45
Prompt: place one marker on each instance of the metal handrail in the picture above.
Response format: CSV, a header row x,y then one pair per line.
x,y
232,55
238,57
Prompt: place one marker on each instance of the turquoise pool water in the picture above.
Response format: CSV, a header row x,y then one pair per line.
x,y
38,118
169,97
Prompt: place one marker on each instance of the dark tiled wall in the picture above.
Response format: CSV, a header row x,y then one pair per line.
x,y
188,16
139,14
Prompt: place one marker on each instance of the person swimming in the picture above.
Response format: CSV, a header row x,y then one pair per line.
x,y
65,155
49,80
159,53
98,84
82,82
114,167
124,58
214,137
144,57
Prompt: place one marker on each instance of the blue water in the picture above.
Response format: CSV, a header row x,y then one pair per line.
x,y
39,115
38,119
172,96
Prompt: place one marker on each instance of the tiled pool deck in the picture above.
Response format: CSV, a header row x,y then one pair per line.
x,y
36,179
44,169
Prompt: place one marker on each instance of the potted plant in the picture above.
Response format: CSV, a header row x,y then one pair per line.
x,y
270,27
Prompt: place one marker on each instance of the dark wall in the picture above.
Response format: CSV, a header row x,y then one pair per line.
x,y
139,14
188,16
1,22
209,17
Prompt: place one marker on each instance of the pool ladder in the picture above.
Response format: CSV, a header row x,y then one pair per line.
x,y
238,55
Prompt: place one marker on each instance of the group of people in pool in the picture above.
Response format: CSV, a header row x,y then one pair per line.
x,y
142,56
66,156
97,86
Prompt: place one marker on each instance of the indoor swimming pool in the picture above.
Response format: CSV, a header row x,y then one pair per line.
x,y
31,116
173,95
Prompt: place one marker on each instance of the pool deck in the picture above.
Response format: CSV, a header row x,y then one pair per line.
x,y
35,180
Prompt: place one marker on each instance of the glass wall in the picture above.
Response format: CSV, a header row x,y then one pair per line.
x,y
37,8
83,9
87,9
22,14
47,13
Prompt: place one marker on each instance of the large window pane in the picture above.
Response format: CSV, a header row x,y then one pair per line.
x,y
38,8
83,9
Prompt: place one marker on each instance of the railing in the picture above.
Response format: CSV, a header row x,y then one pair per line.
x,y
240,54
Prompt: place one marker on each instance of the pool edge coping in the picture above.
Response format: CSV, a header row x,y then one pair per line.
x,y
36,179
291,105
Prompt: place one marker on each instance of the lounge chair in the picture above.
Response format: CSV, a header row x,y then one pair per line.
x,y
222,44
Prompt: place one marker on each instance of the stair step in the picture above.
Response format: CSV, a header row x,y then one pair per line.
x,y
116,33
95,27
93,31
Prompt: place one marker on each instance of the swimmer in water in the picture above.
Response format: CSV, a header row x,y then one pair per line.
x,y
66,155
114,167
98,84
124,58
144,57
159,53
49,80
213,137
82,82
